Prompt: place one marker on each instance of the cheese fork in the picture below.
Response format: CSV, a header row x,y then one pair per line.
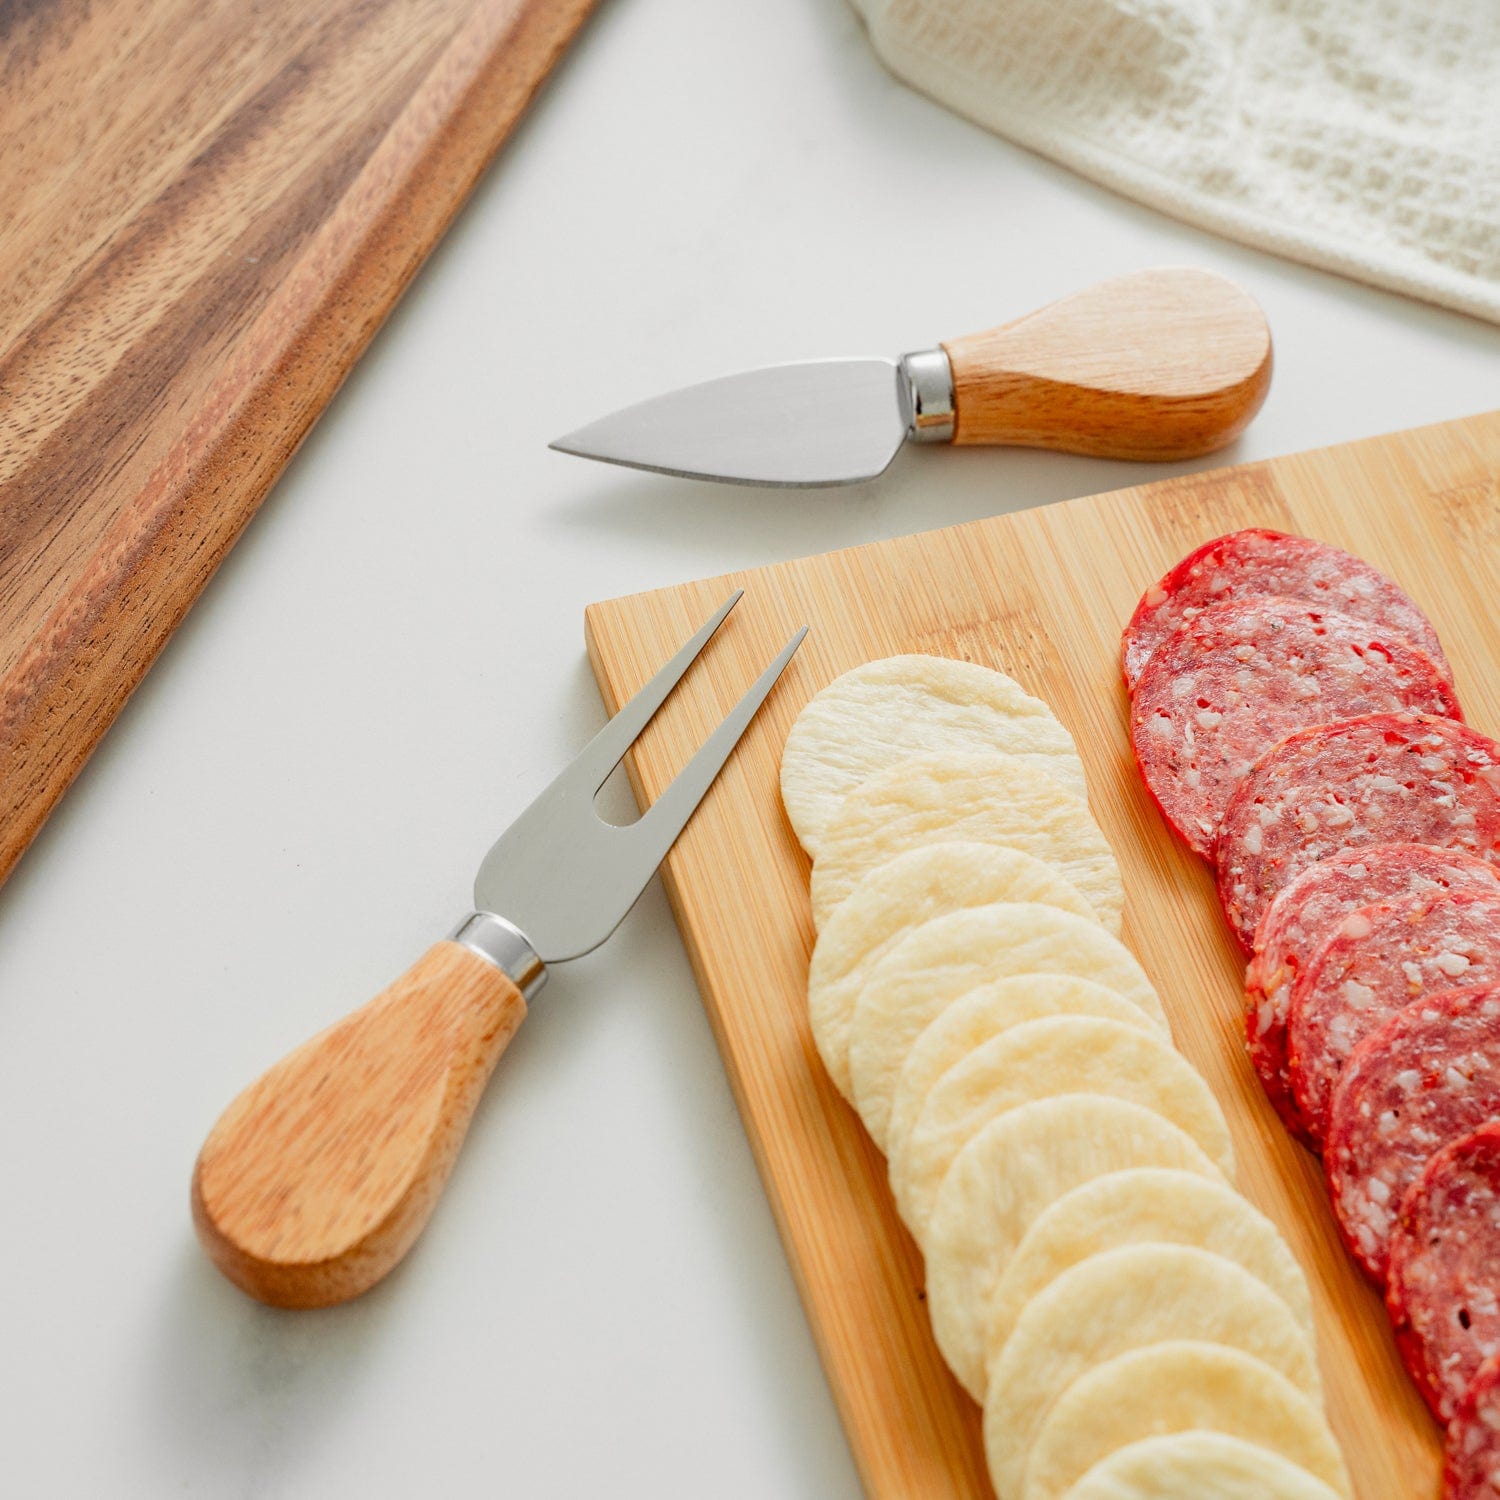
x,y
318,1178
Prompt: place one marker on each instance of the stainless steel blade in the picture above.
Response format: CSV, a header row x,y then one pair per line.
x,y
564,876
828,421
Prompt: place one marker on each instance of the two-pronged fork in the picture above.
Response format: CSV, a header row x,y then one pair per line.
x,y
318,1178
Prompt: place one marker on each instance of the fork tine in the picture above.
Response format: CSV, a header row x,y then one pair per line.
x,y
657,828
604,752
564,876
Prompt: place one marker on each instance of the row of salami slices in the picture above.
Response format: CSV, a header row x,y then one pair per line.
x,y
1294,717
1131,1326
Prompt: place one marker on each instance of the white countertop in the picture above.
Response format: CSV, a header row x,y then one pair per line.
x,y
390,664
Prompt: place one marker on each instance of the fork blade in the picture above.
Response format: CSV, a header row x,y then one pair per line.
x,y
563,875
607,748
657,828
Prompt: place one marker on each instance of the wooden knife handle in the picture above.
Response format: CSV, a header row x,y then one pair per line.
x,y
318,1178
1158,365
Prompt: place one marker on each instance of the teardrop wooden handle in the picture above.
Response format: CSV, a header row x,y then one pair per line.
x,y
1158,365
318,1178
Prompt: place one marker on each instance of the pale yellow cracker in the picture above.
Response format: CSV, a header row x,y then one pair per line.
x,y
990,799
986,1012
1198,1466
951,955
1061,1055
1179,1386
900,895
999,1184
888,711
1121,1300
1145,1203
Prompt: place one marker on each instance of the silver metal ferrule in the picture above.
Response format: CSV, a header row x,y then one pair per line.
x,y
496,941
927,395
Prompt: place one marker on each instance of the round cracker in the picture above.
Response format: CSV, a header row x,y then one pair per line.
x,y
998,1185
951,955
888,711
900,895
1121,1300
1062,1055
990,799
974,1018
1179,1386
1144,1204
1203,1465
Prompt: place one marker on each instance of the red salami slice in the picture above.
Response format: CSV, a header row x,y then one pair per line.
x,y
1428,1076
1256,563
1306,912
1381,779
1238,677
1379,960
1471,1464
1444,1256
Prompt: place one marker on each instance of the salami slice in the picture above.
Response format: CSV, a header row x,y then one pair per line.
x,y
1238,677
1380,779
1306,912
1471,1464
1441,1296
1428,1076
1255,563
1379,960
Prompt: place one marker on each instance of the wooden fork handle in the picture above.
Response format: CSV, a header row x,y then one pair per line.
x,y
318,1178
1158,365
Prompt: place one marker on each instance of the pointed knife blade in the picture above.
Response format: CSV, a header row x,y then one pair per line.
x,y
827,421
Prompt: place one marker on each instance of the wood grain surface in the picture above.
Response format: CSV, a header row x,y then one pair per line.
x,y
319,1177
207,208
1160,364
1042,595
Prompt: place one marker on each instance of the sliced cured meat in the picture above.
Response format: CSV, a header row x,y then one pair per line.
x,y
1441,1296
1471,1464
1306,912
1380,779
1256,562
1379,960
1430,1075
1239,677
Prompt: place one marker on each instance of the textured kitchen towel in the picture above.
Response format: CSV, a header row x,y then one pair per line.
x,y
1362,136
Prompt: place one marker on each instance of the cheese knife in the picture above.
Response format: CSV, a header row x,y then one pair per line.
x,y
318,1178
1158,365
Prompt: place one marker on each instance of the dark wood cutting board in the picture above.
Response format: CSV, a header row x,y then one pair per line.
x,y
207,208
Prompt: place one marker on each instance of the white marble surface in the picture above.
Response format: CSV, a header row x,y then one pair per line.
x,y
385,670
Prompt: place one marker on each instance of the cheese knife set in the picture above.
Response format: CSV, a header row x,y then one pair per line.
x,y
319,1177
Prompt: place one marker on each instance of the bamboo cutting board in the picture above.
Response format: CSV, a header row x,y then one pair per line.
x,y
1041,595
207,208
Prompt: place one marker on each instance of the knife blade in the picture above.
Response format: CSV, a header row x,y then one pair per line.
x,y
1157,365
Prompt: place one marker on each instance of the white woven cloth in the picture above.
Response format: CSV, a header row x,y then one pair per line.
x,y
1362,136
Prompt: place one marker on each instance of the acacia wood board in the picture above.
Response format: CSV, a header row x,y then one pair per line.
x,y
1041,595
207,208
